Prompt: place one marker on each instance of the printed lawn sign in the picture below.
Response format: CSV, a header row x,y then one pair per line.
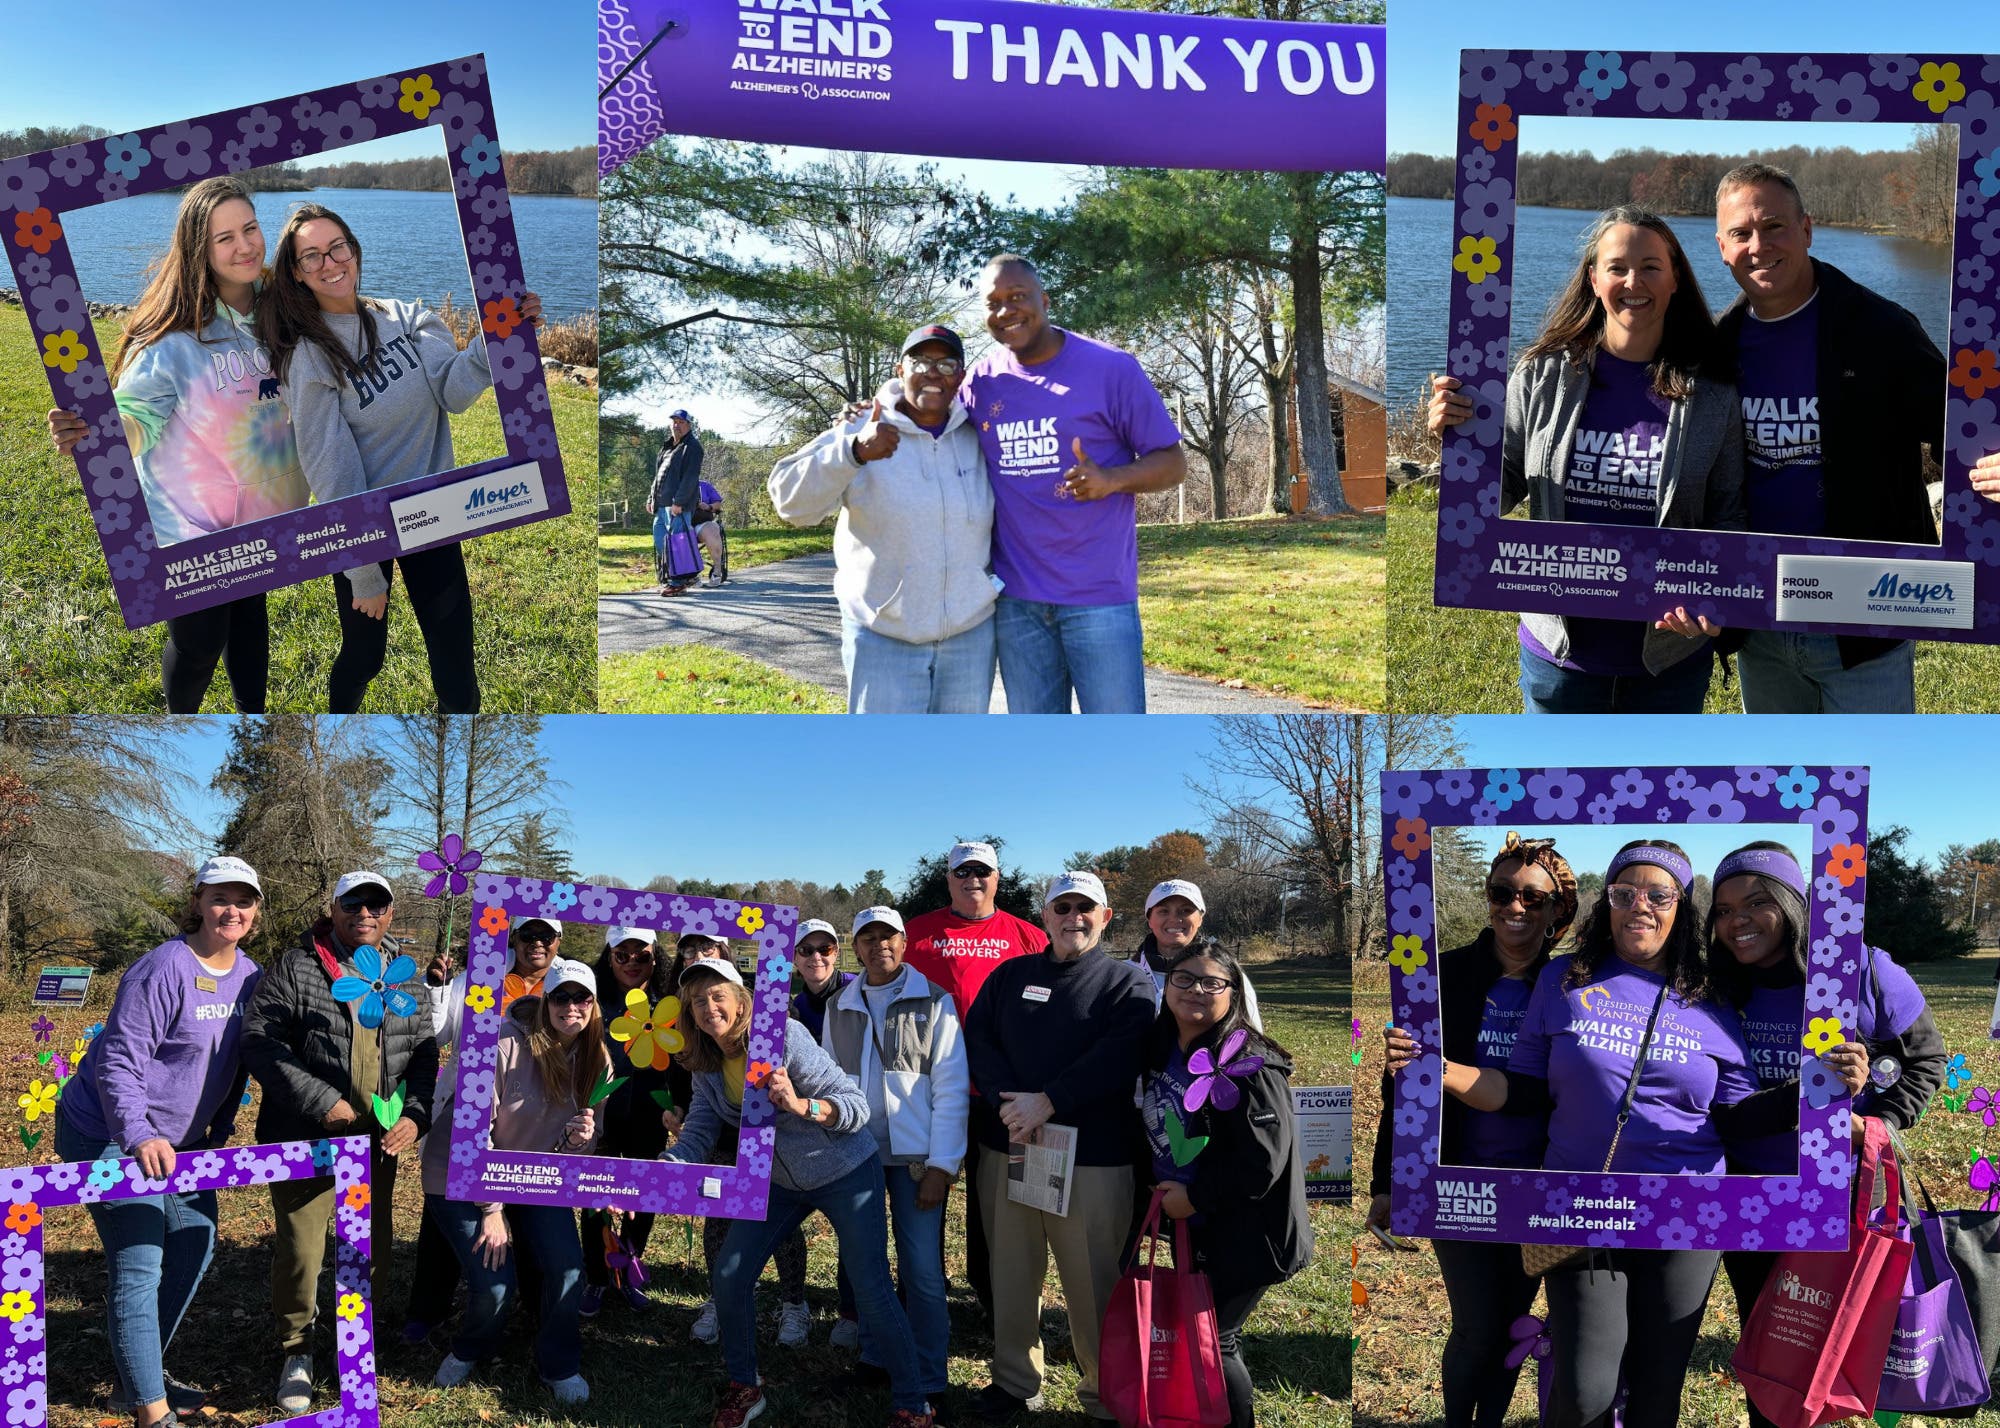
x,y
153,581
992,79
29,1190
1936,592
1635,1211
736,1192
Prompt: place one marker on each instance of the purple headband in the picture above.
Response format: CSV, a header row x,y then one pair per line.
x,y
1663,858
1765,862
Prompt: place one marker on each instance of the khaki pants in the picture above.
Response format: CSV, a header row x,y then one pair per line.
x,y
304,1209
1087,1243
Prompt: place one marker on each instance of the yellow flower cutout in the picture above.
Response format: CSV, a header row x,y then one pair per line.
x,y
76,1053
480,999
16,1305
751,920
650,1030
65,349
1477,259
38,1101
1823,1033
1407,951
1941,82
420,96
349,1307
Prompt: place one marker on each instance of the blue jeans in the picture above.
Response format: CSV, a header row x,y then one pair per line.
x,y
1785,672
853,1205
156,1249
1046,651
1548,688
891,676
920,1267
547,1235
660,519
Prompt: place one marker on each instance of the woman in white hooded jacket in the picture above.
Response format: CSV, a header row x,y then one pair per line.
x,y
913,549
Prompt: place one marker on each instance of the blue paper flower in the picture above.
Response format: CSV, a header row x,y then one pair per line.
x,y
375,988
1956,1072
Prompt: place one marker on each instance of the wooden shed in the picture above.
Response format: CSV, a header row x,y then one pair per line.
x,y
1361,430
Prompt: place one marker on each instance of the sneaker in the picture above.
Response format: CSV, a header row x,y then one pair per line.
x,y
452,1372
569,1391
181,1398
846,1334
740,1402
706,1330
593,1300
295,1384
794,1325
910,1418
636,1297
996,1405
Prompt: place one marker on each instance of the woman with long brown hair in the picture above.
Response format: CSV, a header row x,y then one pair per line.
x,y
208,426
1617,414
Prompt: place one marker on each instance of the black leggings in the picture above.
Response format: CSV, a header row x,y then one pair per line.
x,y
1642,1313
238,635
1747,1271
1232,1312
1488,1290
442,602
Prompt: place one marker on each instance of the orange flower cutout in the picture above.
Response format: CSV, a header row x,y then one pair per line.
x,y
1847,861
1493,125
1978,372
494,920
357,1197
1411,838
36,229
760,1072
503,315
23,1218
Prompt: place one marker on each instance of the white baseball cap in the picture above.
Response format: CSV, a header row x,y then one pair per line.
x,y
549,922
720,966
614,934
1076,882
687,937
816,924
887,915
227,870
362,878
1176,887
973,853
563,972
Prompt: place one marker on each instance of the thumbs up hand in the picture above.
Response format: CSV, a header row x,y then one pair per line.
x,y
877,439
1087,481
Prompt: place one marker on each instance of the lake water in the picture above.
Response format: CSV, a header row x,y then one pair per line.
x,y
1916,275
411,241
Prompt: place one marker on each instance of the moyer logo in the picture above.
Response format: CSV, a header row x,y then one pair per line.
x,y
1893,587
1799,1292
487,497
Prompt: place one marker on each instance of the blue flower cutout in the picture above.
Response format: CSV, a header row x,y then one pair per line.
x,y
481,156
561,896
375,988
1956,1072
106,1173
322,1154
1796,789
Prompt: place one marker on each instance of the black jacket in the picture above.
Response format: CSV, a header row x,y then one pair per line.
x,y
1250,1185
677,478
297,1042
1882,390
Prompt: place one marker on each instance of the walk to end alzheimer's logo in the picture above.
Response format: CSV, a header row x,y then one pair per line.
x,y
1468,1204
846,40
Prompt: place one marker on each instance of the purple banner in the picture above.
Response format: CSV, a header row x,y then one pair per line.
x,y
1807,1211
1949,591
154,582
736,1191
992,79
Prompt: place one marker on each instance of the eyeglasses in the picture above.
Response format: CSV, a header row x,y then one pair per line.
x,y
547,939
1071,909
376,902
1500,895
938,366
570,997
966,871
1207,986
1625,896
817,950
631,959
340,251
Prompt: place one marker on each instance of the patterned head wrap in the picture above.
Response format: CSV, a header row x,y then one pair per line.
x,y
1541,853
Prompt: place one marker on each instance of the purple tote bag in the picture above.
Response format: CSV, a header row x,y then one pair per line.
x,y
1934,1361
683,557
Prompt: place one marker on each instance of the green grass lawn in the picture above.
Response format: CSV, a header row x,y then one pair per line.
x,y
1467,661
643,1368
696,679
64,647
1403,1328
625,558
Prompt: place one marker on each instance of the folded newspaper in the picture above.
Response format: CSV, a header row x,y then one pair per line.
x,y
1040,1173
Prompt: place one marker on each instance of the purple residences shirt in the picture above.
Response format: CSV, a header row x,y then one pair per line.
x,y
1048,547
1494,1137
166,1063
1783,480
1583,1042
1166,1094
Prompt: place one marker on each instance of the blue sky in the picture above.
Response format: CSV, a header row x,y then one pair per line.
x,y
1425,37
140,63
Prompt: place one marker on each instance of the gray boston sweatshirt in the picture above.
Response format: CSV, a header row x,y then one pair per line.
x,y
389,425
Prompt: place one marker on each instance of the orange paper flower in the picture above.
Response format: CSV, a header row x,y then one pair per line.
x,y
760,1072
23,1218
494,920
1978,372
1847,861
1411,838
36,229
1493,125
357,1197
503,315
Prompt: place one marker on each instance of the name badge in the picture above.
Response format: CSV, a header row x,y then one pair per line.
x,y
1035,994
205,984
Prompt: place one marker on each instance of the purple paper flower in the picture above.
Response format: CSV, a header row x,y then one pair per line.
x,y
43,1028
182,150
1798,1233
1660,83
596,904
451,861
1555,793
1753,1208
1845,98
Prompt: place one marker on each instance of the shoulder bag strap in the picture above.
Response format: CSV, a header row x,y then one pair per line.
x,y
1632,1082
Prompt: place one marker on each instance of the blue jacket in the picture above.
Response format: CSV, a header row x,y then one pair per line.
x,y
807,1155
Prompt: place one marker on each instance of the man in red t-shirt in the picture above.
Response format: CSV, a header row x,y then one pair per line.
x,y
957,948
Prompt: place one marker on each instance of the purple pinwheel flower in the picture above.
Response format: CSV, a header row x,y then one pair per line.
x,y
44,1028
375,987
1212,1080
451,861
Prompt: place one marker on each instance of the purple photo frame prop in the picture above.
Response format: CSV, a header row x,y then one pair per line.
x,y
29,1190
1807,1211
1934,592
480,1173
153,583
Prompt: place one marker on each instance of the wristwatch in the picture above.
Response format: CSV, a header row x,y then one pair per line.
x,y
812,1110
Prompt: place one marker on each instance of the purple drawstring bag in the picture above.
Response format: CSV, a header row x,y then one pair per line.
x,y
1934,1361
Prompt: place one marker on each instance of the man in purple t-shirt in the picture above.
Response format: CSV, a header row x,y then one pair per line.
x,y
1073,431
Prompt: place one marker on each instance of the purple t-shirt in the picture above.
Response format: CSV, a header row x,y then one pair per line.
x,y
1166,1091
1048,547
166,1061
1494,1137
1583,1040
1613,479
1783,481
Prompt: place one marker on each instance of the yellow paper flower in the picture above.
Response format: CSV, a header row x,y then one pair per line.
x,y
1407,951
1823,1033
649,1031
420,96
751,920
65,349
16,1305
1937,86
349,1307
1477,259
39,1101
480,999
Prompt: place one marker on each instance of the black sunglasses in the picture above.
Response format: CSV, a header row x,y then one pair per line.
x,y
1500,895
971,870
376,902
570,996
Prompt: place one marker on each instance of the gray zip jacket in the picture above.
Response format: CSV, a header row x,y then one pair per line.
x,y
1701,479
914,544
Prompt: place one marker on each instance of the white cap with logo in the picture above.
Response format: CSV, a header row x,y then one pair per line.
x,y
887,915
548,922
362,878
1075,881
565,972
1175,887
226,869
816,924
720,966
614,934
982,853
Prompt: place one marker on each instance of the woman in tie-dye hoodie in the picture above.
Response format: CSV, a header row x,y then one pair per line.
x,y
208,426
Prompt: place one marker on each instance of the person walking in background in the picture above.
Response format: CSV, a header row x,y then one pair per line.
x,y
675,495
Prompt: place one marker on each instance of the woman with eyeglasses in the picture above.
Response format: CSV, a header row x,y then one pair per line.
x,y
1636,979
373,384
1483,989
913,547
1243,1193
550,1055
